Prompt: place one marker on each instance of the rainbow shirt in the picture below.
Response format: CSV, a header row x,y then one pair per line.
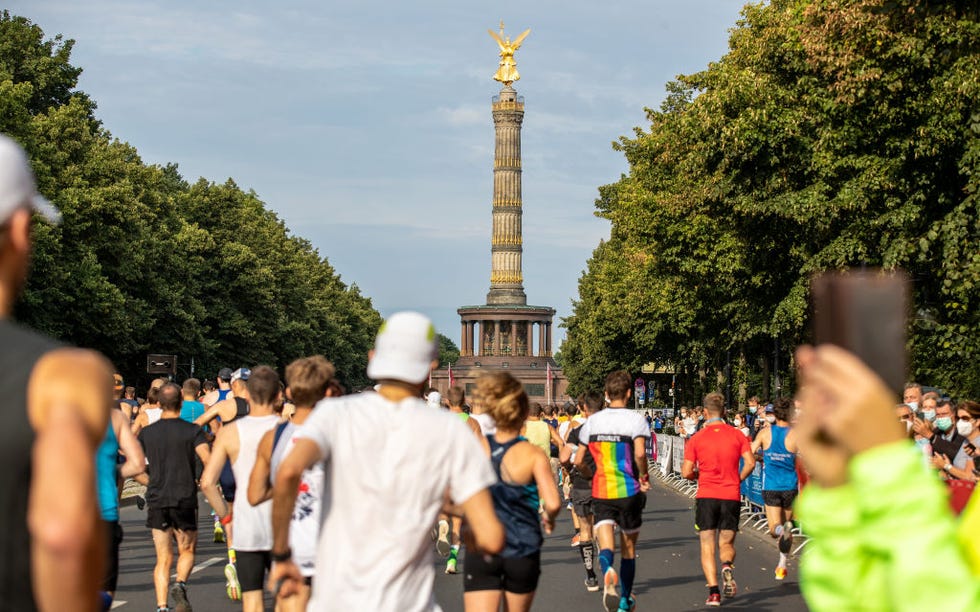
x,y
609,434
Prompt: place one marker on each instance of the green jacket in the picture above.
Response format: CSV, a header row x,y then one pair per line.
x,y
887,540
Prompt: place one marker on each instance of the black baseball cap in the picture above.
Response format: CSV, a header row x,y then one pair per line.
x,y
224,374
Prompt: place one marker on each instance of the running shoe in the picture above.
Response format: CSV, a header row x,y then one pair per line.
x,y
140,502
575,540
442,543
179,594
232,586
592,584
219,533
451,566
780,573
627,604
729,587
786,538
610,590
714,600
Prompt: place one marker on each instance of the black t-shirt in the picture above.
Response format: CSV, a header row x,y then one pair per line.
x,y
169,446
579,481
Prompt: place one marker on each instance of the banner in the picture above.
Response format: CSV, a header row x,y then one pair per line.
x,y
678,455
665,454
752,486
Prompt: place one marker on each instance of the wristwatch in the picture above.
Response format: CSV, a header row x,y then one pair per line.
x,y
283,556
947,467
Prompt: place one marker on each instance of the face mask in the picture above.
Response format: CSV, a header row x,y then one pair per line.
x,y
944,423
929,415
908,426
737,422
752,409
913,405
964,428
922,442
771,419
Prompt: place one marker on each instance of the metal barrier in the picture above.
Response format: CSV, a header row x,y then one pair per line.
x,y
669,457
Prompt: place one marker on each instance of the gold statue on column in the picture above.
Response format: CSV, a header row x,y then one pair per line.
x,y
507,72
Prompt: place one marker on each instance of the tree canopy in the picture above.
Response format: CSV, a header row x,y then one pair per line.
x,y
833,133
144,261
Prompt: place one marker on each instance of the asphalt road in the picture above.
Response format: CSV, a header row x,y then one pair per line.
x,y
668,570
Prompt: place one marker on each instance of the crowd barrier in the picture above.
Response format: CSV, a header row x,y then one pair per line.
x,y
668,455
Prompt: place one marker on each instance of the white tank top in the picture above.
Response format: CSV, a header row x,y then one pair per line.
x,y
153,415
253,524
304,530
487,425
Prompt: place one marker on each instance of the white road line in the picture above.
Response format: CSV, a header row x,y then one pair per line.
x,y
118,604
202,565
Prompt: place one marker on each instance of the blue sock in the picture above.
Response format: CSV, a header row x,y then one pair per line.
x,y
605,559
627,571
106,600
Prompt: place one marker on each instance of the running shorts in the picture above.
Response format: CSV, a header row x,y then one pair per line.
x,y
627,512
582,502
252,566
227,482
710,514
780,499
494,573
113,538
182,518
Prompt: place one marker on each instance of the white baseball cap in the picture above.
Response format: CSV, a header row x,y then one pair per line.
x,y
17,187
434,399
404,348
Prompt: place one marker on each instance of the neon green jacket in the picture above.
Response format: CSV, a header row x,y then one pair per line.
x,y
887,540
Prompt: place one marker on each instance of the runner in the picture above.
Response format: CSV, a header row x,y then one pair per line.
x,y
55,403
400,457
581,491
309,382
234,406
449,526
170,445
616,439
525,484
780,482
214,396
150,413
711,457
237,442
190,409
108,472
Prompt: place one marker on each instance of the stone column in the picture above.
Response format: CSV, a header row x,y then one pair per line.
x,y
541,352
547,332
496,338
506,276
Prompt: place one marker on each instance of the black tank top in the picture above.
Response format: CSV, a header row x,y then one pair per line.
x,y
20,349
241,409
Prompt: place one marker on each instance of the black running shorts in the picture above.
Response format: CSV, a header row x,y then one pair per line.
x,y
710,514
252,566
780,499
227,482
627,512
582,502
113,538
494,573
183,518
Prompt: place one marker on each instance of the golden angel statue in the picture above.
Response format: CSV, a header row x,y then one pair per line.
x,y
507,72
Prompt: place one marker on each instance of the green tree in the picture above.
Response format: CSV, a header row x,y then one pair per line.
x,y
448,351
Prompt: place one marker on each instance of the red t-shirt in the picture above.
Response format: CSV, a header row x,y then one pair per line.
x,y
716,451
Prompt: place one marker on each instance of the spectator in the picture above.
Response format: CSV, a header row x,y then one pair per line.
x,y
740,422
912,396
968,426
948,446
864,486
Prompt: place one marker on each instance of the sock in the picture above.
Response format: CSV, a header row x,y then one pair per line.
x,y
182,584
231,555
627,570
453,551
605,559
587,550
725,564
713,590
106,601
782,560
778,531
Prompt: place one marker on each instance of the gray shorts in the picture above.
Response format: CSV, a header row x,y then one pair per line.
x,y
582,502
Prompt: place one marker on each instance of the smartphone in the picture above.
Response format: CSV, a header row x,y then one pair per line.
x,y
864,311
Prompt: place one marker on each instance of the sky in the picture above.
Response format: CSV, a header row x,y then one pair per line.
x,y
366,125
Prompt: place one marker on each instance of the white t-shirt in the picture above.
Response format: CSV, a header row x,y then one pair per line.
x,y
486,422
386,467
305,526
609,436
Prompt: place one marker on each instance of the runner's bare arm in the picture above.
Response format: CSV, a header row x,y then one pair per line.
x,y
129,445
211,473
216,410
760,439
486,530
748,466
580,464
555,438
547,489
69,398
688,471
259,487
640,458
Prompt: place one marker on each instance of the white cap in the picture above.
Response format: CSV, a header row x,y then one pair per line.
x,y
434,399
17,186
404,349
240,374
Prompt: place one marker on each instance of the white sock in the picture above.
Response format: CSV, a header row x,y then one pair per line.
x,y
782,560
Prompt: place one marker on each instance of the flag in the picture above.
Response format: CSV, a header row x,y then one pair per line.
x,y
430,378
450,374
548,385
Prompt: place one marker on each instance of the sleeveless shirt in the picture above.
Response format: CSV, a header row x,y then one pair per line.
x,y
539,434
253,524
516,506
779,467
20,350
304,530
105,475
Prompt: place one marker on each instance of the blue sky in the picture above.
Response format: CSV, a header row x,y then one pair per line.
x,y
366,125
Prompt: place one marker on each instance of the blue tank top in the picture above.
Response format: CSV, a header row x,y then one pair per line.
x,y
779,469
516,507
105,475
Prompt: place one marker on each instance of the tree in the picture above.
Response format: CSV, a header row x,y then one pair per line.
x,y
448,351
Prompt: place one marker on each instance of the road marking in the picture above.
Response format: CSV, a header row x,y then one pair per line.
x,y
203,565
118,604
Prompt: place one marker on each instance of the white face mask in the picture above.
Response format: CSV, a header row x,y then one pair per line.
x,y
737,422
964,428
771,418
913,405
908,426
